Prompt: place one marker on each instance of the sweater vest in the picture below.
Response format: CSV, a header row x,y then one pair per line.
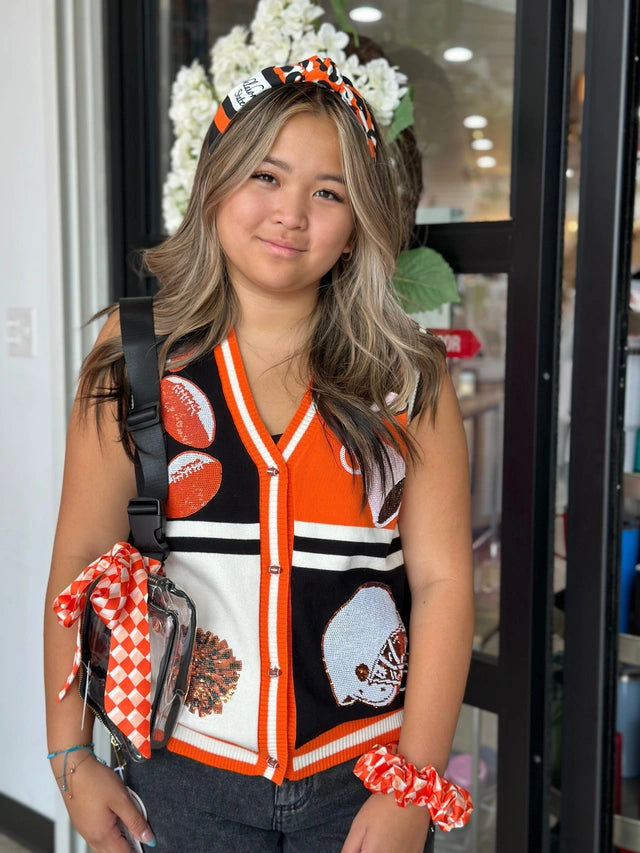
x,y
301,595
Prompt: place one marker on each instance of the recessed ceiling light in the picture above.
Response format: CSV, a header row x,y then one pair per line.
x,y
457,54
483,144
570,172
486,162
473,122
365,14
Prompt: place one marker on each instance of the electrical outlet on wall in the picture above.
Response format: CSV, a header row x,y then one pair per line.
x,y
21,332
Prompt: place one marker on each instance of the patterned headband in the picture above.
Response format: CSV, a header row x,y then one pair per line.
x,y
323,72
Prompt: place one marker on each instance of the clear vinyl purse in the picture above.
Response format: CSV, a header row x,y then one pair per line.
x,y
172,628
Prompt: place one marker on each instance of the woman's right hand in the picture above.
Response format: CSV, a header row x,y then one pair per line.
x,y
98,800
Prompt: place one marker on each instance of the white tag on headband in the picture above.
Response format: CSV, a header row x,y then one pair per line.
x,y
247,90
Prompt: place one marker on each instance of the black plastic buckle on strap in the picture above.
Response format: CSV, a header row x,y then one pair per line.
x,y
146,521
143,417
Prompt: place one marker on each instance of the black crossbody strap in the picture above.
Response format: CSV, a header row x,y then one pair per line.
x,y
146,512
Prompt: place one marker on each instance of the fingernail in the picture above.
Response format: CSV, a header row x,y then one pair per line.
x,y
148,838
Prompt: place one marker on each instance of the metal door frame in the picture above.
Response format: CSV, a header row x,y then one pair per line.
x,y
607,189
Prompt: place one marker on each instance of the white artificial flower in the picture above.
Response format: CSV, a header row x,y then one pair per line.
x,y
188,77
275,50
229,77
175,198
267,29
236,39
351,68
292,16
183,161
280,21
298,16
192,101
381,74
382,86
230,61
268,9
327,41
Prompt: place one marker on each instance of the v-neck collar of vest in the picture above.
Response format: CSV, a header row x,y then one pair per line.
x,y
245,413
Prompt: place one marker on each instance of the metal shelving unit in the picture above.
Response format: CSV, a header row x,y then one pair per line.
x,y
626,829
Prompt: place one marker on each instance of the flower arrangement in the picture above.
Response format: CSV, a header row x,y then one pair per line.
x,y
284,31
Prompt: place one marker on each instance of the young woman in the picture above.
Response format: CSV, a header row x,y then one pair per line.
x,y
318,508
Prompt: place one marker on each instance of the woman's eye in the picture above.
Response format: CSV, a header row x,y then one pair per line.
x,y
329,194
264,177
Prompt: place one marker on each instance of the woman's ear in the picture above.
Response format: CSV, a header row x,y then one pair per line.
x,y
350,244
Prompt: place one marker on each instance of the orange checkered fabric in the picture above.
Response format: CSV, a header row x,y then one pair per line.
x,y
383,771
120,600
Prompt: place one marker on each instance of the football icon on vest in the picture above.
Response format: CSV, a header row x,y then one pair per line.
x,y
186,412
365,664
194,479
384,498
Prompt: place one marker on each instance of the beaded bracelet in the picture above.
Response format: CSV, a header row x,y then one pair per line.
x,y
66,752
384,771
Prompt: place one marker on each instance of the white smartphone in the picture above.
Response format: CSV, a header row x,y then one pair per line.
x,y
124,831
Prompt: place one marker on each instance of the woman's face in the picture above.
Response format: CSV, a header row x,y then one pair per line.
x,y
288,224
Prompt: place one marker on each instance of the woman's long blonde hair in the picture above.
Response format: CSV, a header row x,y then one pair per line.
x,y
364,354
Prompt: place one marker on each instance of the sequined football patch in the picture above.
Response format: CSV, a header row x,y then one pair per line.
x,y
214,674
366,666
194,479
186,412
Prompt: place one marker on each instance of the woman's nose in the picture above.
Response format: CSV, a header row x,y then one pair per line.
x,y
290,209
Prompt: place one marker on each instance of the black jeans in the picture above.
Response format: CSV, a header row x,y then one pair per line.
x,y
194,808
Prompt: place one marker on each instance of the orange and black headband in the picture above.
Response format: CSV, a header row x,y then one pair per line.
x,y
323,72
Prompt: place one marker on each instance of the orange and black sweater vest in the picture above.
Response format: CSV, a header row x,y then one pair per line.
x,y
301,595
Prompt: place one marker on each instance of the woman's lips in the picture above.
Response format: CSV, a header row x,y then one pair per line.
x,y
283,249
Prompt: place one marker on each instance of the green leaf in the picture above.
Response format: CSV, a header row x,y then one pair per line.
x,y
424,280
343,20
402,118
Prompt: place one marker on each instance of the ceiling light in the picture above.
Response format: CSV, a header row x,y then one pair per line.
x,y
570,173
486,162
365,14
474,122
457,54
482,144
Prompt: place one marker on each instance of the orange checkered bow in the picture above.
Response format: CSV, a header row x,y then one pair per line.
x,y
120,600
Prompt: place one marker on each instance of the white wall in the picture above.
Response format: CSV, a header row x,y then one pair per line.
x,y
54,259
33,392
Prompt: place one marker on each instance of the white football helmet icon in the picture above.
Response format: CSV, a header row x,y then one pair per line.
x,y
364,648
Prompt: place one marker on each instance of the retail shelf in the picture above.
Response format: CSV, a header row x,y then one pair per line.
x,y
626,833
629,649
476,404
632,486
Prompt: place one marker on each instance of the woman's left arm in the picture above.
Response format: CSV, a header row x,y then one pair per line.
x,y
435,526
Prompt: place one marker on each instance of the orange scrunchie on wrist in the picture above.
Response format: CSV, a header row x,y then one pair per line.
x,y
383,771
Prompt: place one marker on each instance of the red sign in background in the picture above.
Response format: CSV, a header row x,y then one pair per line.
x,y
460,343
